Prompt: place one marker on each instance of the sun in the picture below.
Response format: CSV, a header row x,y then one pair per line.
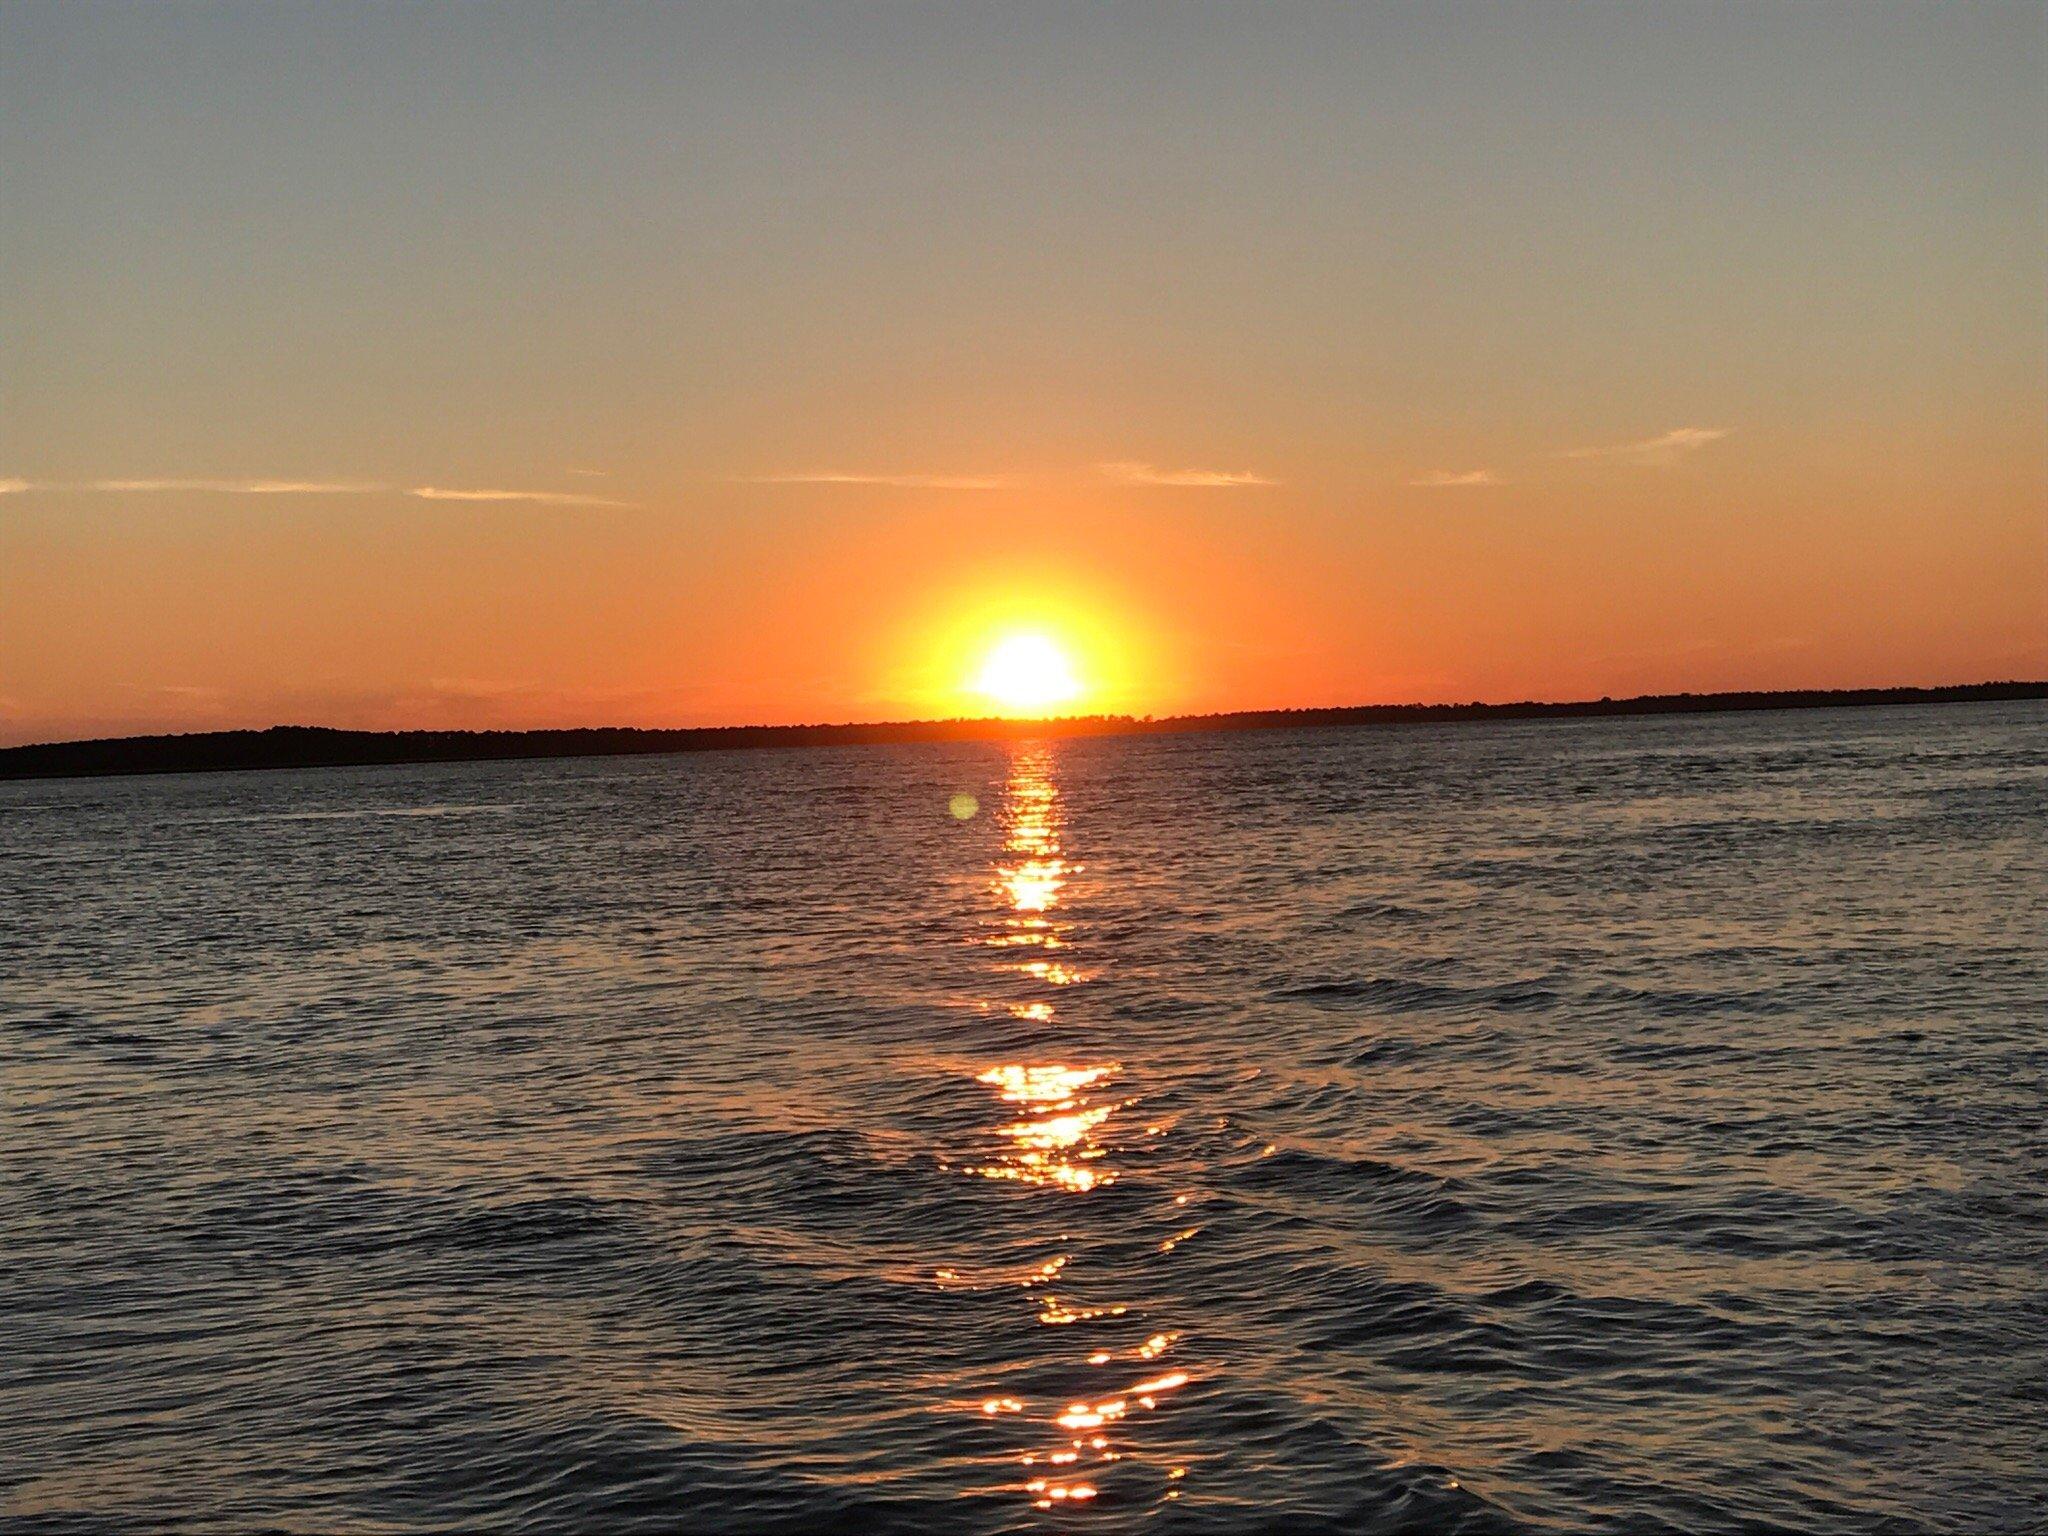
x,y
1027,673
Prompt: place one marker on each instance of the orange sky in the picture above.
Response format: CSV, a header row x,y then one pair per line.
x,y
679,369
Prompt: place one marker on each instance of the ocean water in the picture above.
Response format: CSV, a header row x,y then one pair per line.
x,y
1570,1126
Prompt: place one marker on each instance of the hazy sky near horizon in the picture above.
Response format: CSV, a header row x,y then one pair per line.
x,y
405,365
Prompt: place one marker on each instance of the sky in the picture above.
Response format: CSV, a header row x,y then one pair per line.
x,y
471,366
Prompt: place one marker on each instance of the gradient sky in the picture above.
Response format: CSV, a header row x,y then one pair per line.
x,y
783,356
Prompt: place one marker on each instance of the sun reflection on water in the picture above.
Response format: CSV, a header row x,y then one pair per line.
x,y
1055,1142
1059,1136
1050,1086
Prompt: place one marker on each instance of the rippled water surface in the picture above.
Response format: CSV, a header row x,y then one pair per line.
x,y
1627,1126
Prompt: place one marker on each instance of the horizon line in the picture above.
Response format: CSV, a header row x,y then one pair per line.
x,y
94,756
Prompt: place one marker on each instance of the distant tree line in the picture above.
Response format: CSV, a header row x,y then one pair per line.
x,y
307,746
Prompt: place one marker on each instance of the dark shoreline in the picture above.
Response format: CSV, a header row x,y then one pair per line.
x,y
298,746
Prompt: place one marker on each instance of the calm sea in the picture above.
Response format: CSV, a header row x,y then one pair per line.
x,y
1628,1126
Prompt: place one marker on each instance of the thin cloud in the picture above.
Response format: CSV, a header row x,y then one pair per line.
x,y
253,487
595,474
1666,448
230,487
1133,473
541,498
1449,479
904,482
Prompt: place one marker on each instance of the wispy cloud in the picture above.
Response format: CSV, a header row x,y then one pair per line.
x,y
1451,479
258,487
1667,448
1129,472
541,498
229,487
907,482
595,474
1133,473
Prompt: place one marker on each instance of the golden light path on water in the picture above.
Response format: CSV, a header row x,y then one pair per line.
x,y
1053,1138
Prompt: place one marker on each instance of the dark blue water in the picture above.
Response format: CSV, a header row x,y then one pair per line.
x,y
1624,1126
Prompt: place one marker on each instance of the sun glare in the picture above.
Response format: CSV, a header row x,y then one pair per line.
x,y
1027,673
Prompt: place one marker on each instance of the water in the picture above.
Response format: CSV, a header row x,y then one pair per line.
x,y
1623,1126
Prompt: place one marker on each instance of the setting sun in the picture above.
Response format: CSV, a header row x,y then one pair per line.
x,y
1027,673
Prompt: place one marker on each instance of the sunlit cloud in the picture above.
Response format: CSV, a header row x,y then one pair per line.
x,y
1130,473
540,498
1667,448
259,487
905,482
228,487
1133,473
1450,479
